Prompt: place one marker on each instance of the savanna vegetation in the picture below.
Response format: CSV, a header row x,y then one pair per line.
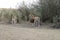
x,y
47,10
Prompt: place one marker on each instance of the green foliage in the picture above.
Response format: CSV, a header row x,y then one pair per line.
x,y
47,9
25,11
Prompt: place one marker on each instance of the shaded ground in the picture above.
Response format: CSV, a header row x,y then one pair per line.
x,y
25,32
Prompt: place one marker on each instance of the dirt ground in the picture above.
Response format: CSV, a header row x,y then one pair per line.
x,y
18,32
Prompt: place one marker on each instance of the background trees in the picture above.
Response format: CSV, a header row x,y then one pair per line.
x,y
48,9
24,10
45,9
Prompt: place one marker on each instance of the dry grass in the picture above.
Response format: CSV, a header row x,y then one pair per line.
x,y
13,32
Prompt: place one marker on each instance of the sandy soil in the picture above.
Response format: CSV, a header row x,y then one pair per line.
x,y
17,32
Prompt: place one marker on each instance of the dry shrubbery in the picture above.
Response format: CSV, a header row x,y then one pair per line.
x,y
6,15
